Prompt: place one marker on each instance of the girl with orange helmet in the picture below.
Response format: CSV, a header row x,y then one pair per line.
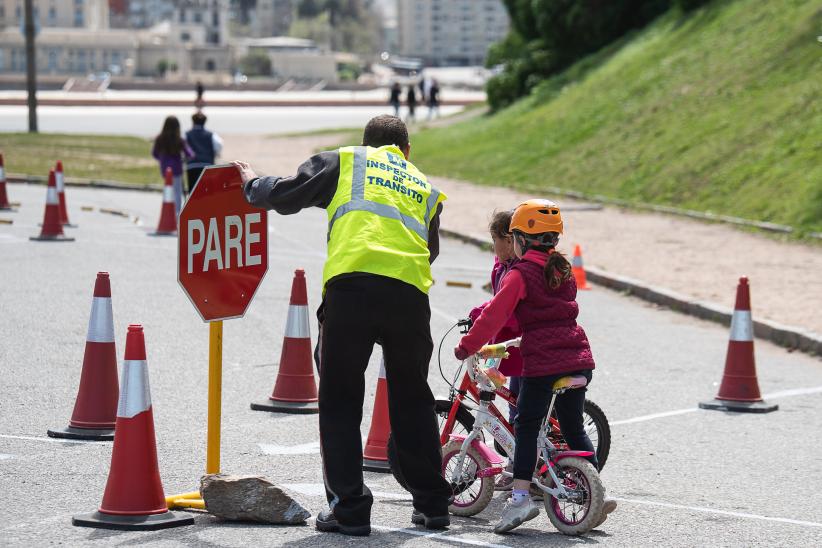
x,y
540,293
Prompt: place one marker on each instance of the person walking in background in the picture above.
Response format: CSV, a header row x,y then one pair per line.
x,y
206,146
200,89
411,99
171,150
394,100
434,100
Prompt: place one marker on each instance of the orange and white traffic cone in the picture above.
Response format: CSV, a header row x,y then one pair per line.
x,y
295,390
4,198
61,194
95,409
168,218
52,230
578,269
375,454
739,390
134,497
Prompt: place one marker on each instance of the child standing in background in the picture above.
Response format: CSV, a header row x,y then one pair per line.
x,y
511,367
170,150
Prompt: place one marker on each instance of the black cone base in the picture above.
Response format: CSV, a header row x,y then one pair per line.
x,y
88,434
163,233
297,408
371,465
738,406
132,523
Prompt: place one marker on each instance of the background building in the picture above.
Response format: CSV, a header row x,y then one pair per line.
x,y
450,32
271,17
89,14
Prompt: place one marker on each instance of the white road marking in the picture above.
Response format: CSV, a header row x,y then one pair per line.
x,y
643,418
318,490
49,440
772,396
793,392
3,456
705,510
439,536
310,448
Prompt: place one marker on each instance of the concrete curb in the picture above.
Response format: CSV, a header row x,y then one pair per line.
x,y
791,337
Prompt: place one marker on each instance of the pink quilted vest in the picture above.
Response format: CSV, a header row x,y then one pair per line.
x,y
552,342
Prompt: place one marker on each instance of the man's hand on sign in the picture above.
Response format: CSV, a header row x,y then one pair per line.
x,y
246,173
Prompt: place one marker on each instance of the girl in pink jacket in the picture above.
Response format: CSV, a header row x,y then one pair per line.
x,y
540,292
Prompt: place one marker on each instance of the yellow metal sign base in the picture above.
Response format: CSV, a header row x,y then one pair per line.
x,y
215,382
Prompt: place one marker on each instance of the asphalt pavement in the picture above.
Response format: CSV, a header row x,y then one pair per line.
x,y
684,477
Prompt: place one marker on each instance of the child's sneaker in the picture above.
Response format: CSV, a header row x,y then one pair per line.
x,y
515,515
608,506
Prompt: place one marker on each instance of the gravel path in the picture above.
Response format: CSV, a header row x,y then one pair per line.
x,y
699,259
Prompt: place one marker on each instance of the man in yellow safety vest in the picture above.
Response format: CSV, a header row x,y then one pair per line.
x,y
383,233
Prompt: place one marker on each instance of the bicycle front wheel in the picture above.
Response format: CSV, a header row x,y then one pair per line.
x,y
471,493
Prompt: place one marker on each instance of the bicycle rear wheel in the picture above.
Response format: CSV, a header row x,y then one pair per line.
x,y
596,425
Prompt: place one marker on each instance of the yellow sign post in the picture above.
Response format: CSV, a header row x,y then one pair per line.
x,y
193,499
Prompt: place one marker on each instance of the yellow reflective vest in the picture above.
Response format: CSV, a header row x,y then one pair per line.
x,y
379,217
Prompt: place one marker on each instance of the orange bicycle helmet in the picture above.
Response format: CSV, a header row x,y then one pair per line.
x,y
537,217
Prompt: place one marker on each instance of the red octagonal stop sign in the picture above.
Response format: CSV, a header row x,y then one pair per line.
x,y
223,245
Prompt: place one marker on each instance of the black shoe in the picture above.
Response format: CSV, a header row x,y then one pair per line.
x,y
327,523
430,522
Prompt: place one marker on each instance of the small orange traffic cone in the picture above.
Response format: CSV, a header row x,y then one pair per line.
x,y
52,230
739,390
4,199
134,497
295,390
578,269
168,218
61,194
375,454
95,409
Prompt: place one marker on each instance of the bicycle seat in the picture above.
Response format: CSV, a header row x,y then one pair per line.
x,y
570,382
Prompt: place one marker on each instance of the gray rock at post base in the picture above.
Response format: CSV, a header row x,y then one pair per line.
x,y
250,498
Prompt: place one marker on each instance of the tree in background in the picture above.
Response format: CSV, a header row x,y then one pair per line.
x,y
341,25
548,36
256,64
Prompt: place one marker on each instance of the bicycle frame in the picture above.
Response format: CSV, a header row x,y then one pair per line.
x,y
489,418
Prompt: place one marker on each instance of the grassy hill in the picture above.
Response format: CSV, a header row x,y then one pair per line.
x,y
718,110
105,157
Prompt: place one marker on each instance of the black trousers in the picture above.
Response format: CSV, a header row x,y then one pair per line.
x,y
192,174
358,311
532,406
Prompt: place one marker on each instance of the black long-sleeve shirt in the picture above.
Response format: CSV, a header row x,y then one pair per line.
x,y
314,185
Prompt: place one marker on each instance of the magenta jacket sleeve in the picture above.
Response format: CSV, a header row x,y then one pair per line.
x,y
496,314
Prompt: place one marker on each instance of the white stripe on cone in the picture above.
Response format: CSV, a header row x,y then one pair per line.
x,y
296,326
51,196
101,322
382,368
2,175
576,260
742,326
168,193
58,179
135,396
